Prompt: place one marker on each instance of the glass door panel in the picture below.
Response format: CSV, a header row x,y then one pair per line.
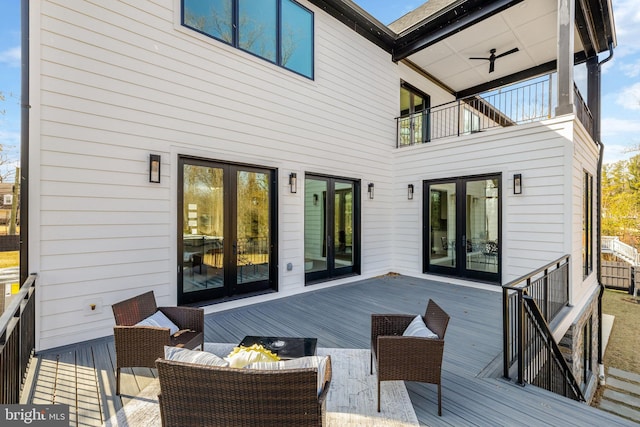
x,y
227,225
331,216
343,224
202,228
462,227
315,253
253,227
482,225
442,222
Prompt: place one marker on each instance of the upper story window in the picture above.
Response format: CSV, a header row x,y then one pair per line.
x,y
279,31
413,123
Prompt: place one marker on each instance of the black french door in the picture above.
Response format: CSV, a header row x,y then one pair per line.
x,y
331,227
227,228
462,223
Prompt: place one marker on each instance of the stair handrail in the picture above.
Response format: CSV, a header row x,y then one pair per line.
x,y
570,386
621,249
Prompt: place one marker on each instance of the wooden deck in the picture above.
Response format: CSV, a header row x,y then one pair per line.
x,y
473,393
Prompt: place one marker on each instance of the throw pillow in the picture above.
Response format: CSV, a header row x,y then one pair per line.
x,y
159,320
417,328
319,362
243,356
191,356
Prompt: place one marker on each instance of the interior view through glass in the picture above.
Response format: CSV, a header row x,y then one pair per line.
x,y
473,226
329,227
226,229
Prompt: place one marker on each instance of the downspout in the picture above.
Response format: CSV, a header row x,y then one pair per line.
x,y
24,142
601,375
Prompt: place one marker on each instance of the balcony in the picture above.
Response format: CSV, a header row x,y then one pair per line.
x,y
518,104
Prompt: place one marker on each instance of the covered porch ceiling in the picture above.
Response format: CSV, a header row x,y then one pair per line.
x,y
440,37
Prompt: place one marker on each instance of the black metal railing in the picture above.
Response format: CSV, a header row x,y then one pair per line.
x,y
517,104
545,365
582,111
529,304
17,341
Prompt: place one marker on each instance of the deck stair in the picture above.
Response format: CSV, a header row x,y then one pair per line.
x,y
613,245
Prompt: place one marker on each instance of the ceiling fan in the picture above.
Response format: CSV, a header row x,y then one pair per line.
x,y
492,58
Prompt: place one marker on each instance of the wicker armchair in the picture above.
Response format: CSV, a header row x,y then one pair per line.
x,y
140,346
408,358
198,395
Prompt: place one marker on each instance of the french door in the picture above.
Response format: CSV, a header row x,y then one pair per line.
x,y
227,229
331,227
462,227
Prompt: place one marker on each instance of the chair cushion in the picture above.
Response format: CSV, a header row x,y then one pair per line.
x,y
158,319
417,328
191,356
319,362
242,356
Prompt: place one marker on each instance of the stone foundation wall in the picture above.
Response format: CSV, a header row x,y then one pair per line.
x,y
573,342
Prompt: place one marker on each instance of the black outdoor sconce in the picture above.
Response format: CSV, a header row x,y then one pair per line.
x,y
154,168
517,183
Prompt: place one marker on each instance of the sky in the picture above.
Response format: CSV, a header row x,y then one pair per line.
x,y
620,82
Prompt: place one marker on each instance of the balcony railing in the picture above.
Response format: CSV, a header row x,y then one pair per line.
x,y
529,304
519,104
17,341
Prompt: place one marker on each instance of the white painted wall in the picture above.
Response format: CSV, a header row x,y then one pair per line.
x,y
534,223
113,82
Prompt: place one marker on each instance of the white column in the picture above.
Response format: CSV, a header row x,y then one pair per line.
x,y
566,19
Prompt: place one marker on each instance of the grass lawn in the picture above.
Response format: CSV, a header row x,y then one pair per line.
x,y
9,259
624,343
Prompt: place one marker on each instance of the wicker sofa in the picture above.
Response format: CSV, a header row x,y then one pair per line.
x,y
201,395
408,358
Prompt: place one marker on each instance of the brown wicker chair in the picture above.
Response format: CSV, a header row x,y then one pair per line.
x,y
408,358
140,346
198,395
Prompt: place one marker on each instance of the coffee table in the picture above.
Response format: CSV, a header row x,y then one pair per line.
x,y
284,347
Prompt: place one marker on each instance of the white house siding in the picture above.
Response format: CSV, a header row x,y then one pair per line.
x,y
585,159
112,82
534,223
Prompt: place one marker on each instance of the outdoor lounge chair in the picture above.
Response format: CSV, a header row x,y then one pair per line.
x,y
199,395
140,346
408,358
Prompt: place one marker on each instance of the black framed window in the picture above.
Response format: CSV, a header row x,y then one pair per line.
x,y
279,31
413,123
587,225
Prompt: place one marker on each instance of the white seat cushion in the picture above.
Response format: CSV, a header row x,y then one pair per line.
x,y
191,356
319,362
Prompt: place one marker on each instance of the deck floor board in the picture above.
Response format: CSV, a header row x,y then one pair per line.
x,y
472,392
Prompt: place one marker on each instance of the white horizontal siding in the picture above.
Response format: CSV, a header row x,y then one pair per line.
x,y
117,81
534,230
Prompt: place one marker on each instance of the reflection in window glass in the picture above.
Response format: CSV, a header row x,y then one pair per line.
x,y
280,31
212,17
296,34
257,27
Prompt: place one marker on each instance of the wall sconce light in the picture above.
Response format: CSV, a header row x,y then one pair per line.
x,y
293,182
154,168
517,183
410,192
370,190
315,200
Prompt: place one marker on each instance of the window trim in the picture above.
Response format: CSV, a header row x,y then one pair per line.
x,y
235,34
587,224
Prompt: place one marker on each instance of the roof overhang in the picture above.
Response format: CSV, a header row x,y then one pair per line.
x,y
441,36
